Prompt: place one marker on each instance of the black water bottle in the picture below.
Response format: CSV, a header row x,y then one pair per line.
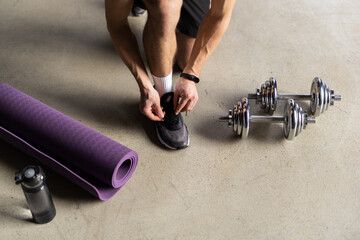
x,y
32,179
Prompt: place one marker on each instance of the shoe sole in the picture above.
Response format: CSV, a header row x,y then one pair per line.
x,y
167,146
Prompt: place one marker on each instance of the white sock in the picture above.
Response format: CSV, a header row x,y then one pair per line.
x,y
163,84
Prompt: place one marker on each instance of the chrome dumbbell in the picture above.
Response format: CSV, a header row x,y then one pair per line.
x,y
295,119
320,96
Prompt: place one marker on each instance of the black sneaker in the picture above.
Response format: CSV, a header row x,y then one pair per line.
x,y
172,132
137,9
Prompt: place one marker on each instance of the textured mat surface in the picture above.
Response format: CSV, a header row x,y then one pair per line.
x,y
95,162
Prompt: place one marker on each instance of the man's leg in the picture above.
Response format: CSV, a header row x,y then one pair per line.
x,y
160,48
185,45
160,40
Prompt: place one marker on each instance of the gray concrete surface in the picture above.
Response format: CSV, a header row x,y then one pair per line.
x,y
220,187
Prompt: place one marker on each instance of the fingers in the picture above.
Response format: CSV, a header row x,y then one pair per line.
x,y
158,111
186,92
151,115
155,114
188,106
150,105
176,99
181,105
187,103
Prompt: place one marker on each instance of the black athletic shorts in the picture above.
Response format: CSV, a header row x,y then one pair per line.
x,y
191,16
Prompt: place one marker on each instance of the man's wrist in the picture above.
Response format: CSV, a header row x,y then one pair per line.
x,y
191,71
145,85
190,77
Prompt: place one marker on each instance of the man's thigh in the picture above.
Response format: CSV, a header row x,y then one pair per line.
x,y
192,12
160,5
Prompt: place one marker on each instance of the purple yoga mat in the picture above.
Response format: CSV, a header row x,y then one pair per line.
x,y
93,161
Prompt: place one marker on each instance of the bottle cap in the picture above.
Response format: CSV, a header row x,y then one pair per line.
x,y
30,174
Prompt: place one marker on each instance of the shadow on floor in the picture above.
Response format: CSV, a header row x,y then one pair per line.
x,y
220,132
81,41
110,111
14,160
57,42
211,128
14,209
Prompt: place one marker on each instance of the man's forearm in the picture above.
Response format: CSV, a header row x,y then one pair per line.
x,y
209,35
126,46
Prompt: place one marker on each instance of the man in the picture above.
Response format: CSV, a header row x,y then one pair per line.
x,y
187,31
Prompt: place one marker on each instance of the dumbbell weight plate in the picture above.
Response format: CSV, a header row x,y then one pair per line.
x,y
267,95
239,119
272,96
245,118
327,97
301,120
318,98
326,93
287,119
303,117
291,112
235,118
263,95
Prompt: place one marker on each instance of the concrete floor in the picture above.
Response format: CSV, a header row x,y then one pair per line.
x,y
221,187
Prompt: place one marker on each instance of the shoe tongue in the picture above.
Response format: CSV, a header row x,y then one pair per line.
x,y
171,121
167,102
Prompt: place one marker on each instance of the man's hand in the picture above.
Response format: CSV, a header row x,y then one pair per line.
x,y
186,91
150,104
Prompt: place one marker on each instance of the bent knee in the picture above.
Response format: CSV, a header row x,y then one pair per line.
x,y
164,13
164,5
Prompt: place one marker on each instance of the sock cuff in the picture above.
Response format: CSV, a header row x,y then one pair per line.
x,y
163,84
156,78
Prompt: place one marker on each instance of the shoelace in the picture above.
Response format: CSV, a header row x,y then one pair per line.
x,y
171,119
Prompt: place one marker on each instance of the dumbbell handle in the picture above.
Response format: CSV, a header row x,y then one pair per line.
x,y
284,96
266,119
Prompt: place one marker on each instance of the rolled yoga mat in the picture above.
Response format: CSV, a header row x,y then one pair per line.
x,y
93,161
